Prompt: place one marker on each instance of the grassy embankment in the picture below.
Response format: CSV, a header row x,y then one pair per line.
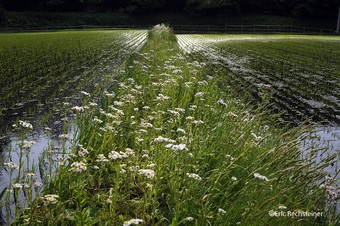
x,y
172,145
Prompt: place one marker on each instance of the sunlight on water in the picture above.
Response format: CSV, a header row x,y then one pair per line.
x,y
41,159
327,140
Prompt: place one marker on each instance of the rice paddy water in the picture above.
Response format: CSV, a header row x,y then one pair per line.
x,y
169,130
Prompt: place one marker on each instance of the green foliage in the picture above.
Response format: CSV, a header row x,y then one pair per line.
x,y
172,144
172,141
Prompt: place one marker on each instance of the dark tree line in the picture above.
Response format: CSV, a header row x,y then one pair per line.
x,y
298,8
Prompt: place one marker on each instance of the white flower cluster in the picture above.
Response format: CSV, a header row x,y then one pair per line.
x,y
148,173
132,221
176,147
194,176
24,124
78,167
261,177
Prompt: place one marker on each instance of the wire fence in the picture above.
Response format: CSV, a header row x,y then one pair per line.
x,y
189,28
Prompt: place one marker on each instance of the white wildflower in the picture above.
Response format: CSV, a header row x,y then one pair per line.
x,y
118,103
78,166
113,155
78,109
24,124
31,175
151,165
161,97
229,157
96,120
282,207
82,152
257,138
110,94
63,136
11,165
160,139
17,185
179,130
189,218
147,173
28,144
261,177
101,158
176,147
51,198
190,118
85,93
199,94
221,102
222,211
134,168
232,114
92,104
132,221
194,176
197,122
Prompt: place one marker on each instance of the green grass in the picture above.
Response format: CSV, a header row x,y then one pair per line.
x,y
171,144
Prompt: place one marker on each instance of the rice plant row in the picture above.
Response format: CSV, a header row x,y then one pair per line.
x,y
299,76
39,69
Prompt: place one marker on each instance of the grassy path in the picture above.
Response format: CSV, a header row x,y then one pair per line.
x,y
172,145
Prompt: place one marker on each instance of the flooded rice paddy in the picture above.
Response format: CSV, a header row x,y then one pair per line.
x,y
44,75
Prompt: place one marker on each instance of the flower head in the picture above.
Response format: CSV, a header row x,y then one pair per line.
x,y
222,211
194,176
78,166
261,177
24,124
149,173
132,221
11,165
51,198
101,158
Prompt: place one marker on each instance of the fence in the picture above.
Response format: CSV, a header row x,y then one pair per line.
x,y
250,29
190,28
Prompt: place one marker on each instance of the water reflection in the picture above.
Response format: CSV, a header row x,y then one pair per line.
x,y
326,141
36,154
